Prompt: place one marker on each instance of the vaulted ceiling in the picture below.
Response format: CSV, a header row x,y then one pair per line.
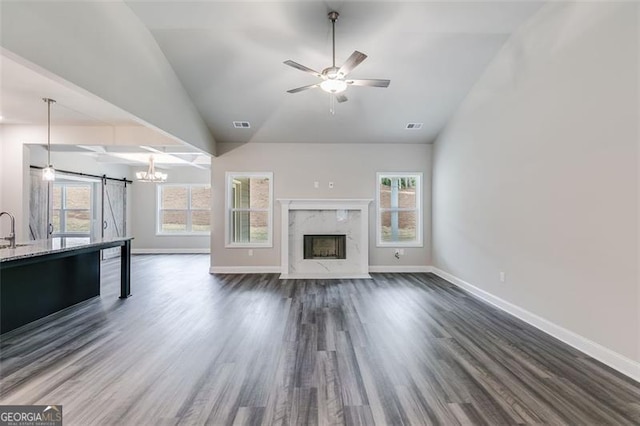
x,y
229,57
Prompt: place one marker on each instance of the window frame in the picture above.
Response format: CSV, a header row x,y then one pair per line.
x,y
63,232
188,210
418,242
229,178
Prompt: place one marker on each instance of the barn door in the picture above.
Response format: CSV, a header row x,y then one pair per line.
x,y
114,213
39,207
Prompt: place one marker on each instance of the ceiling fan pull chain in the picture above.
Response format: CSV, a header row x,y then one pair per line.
x,y
332,104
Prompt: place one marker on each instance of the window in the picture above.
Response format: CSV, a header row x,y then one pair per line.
x,y
399,209
71,204
249,209
184,209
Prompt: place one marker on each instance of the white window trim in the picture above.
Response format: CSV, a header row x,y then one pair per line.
x,y
419,213
63,209
229,176
159,232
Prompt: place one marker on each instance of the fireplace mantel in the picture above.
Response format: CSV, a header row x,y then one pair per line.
x,y
356,266
325,203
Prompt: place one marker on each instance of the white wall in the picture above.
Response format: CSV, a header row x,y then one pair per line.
x,y
295,167
15,161
17,155
537,175
16,158
78,163
14,179
144,216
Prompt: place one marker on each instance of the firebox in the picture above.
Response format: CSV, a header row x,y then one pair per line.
x,y
325,246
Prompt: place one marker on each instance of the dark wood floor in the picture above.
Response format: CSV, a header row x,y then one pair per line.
x,y
192,348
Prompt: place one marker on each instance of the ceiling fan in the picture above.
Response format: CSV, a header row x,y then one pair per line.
x,y
334,79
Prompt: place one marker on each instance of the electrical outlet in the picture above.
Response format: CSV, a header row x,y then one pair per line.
x,y
503,277
250,252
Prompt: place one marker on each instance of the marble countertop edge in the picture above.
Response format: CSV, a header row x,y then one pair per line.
x,y
54,245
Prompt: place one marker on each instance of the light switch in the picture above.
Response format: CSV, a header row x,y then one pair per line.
x,y
316,184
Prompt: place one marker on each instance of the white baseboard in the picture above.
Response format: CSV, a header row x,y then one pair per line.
x,y
399,269
170,251
605,355
277,270
244,270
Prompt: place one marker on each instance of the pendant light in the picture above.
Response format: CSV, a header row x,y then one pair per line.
x,y
151,175
48,173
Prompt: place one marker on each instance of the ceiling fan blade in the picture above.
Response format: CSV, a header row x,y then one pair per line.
x,y
369,82
302,68
300,89
354,60
341,98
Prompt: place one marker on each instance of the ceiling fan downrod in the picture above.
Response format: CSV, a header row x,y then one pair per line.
x,y
333,16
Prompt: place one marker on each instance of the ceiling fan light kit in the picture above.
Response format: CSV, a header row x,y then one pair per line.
x,y
333,78
333,86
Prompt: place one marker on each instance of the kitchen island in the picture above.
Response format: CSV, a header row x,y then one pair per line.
x,y
45,276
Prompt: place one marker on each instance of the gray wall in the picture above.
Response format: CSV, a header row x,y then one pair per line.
x,y
537,175
144,215
295,167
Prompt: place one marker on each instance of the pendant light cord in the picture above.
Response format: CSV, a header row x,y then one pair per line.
x,y
49,101
48,132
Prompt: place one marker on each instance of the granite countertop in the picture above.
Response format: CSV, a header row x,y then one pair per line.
x,y
53,245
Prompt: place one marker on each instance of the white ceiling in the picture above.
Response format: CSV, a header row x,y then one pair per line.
x,y
229,57
22,89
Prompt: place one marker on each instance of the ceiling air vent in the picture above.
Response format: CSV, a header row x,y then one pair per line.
x,y
241,124
414,126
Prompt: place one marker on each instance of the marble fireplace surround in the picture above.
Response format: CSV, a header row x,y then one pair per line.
x,y
324,216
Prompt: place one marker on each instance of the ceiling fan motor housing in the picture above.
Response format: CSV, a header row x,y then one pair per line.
x,y
331,73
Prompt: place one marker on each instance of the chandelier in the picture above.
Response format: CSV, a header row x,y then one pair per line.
x,y
151,175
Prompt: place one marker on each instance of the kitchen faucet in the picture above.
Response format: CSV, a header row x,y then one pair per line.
x,y
12,235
